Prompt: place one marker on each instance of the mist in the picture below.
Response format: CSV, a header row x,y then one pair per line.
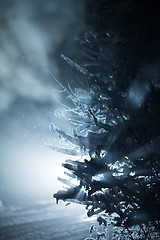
x,y
32,36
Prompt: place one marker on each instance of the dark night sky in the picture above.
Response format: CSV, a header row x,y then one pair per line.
x,y
32,34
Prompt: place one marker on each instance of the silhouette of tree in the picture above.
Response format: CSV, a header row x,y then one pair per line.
x,y
114,113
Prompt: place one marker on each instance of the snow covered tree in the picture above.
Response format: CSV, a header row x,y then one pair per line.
x,y
114,113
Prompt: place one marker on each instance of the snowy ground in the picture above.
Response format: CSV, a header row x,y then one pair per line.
x,y
45,221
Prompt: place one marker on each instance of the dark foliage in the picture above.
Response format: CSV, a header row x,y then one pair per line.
x,y
114,111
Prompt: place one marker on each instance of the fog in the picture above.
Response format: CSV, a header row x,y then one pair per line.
x,y
32,34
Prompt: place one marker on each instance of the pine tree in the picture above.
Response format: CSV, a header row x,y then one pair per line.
x,y
114,113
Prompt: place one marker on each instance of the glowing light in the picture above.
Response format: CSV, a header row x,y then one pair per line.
x,y
132,174
137,94
75,181
81,196
98,177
